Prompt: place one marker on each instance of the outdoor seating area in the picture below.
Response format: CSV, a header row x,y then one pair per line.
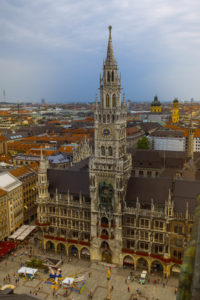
x,y
6,247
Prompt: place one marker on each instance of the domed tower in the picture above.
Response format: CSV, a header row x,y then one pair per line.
x,y
175,111
156,106
110,166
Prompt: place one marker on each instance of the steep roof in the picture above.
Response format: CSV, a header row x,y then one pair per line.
x,y
185,191
146,189
68,180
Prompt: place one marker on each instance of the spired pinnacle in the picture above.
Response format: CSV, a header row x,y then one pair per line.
x,y
110,60
110,28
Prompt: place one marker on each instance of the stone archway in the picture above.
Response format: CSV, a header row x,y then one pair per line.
x,y
106,252
85,253
61,249
128,261
50,246
157,267
73,251
142,264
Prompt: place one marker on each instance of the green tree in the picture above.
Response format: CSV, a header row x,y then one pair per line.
x,y
143,143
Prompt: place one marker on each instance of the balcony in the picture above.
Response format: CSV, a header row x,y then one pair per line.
x,y
104,237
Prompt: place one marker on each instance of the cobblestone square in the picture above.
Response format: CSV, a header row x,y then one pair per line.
x,y
96,281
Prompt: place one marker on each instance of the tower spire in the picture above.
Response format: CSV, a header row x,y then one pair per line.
x,y
110,60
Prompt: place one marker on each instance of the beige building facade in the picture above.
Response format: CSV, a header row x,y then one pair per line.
x,y
13,188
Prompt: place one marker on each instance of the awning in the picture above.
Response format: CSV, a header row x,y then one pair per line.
x,y
22,232
176,269
24,270
68,281
128,260
85,252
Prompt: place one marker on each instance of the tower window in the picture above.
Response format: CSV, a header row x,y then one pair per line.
x,y
108,76
103,150
114,100
110,152
112,75
107,101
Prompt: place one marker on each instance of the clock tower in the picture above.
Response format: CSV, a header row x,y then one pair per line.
x,y
110,166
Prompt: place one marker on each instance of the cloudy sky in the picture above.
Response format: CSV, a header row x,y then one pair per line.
x,y
54,49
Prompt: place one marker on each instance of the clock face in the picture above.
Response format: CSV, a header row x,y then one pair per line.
x,y
106,132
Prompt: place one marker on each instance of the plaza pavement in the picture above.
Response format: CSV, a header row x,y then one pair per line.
x,y
95,283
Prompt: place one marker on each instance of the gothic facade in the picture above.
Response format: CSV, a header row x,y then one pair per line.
x,y
100,209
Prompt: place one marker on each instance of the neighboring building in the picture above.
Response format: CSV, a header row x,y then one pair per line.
x,y
26,160
169,140
99,209
4,228
175,111
156,106
13,187
29,179
59,160
83,151
133,135
3,144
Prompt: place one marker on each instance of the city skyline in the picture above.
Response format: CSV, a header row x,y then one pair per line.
x,y
54,50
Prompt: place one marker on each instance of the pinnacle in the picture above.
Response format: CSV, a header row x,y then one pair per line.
x,y
110,60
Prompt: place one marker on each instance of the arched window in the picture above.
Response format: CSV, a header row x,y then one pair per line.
x,y
112,75
99,118
103,150
113,118
104,119
107,101
114,100
108,118
108,76
110,152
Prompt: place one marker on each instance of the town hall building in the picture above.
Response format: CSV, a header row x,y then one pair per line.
x,y
100,210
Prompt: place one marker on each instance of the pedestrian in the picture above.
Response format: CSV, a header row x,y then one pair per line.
x,y
128,289
56,294
112,288
163,284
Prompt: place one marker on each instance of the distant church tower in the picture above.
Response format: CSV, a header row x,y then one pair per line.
x,y
175,111
110,166
156,106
